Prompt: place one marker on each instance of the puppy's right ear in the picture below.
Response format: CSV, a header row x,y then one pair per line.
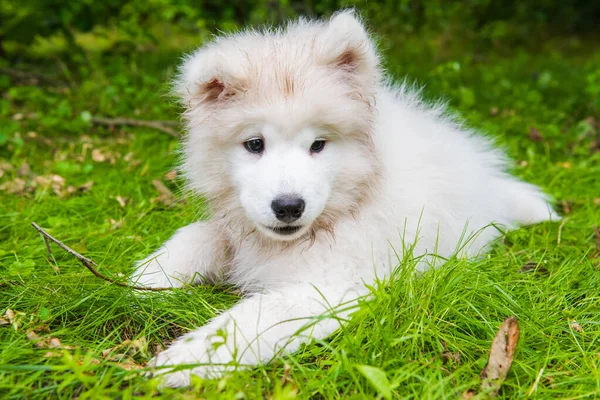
x,y
345,44
204,79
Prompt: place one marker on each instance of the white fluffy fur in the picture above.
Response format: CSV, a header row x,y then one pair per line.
x,y
393,172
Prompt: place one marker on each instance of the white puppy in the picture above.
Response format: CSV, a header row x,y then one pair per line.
x,y
317,173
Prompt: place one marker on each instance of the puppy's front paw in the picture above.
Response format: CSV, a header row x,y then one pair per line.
x,y
170,366
175,366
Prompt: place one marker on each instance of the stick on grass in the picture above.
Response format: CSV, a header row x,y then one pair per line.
x,y
28,75
163,126
88,263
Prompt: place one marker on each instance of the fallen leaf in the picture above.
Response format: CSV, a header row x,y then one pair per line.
x,y
6,166
31,335
567,206
449,356
114,223
93,361
286,374
128,366
564,164
10,315
24,170
575,326
134,163
42,328
160,347
532,266
128,158
98,156
69,191
535,135
106,352
46,342
129,346
162,189
549,381
122,202
121,360
42,181
58,185
16,186
4,321
502,352
469,394
165,196
113,157
85,187
56,182
14,318
171,175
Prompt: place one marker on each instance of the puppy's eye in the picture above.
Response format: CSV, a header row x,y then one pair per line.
x,y
317,146
255,145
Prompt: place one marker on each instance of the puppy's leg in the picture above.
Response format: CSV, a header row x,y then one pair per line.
x,y
193,254
257,328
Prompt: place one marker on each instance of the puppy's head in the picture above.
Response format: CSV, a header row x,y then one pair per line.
x,y
280,125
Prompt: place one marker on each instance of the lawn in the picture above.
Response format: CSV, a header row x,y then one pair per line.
x,y
112,194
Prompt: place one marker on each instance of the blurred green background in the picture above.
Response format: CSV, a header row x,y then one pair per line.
x,y
130,24
33,28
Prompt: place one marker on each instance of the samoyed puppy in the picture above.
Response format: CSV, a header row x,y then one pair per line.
x,y
319,173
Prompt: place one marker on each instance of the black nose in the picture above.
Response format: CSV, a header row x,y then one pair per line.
x,y
288,208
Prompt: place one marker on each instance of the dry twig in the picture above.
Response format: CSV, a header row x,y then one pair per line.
x,y
90,264
163,126
27,75
47,243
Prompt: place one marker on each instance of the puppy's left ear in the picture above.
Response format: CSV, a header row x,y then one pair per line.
x,y
345,44
209,77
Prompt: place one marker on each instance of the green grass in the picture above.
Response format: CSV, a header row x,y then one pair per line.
x,y
411,324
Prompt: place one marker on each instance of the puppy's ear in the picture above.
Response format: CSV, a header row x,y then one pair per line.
x,y
204,79
345,44
214,90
